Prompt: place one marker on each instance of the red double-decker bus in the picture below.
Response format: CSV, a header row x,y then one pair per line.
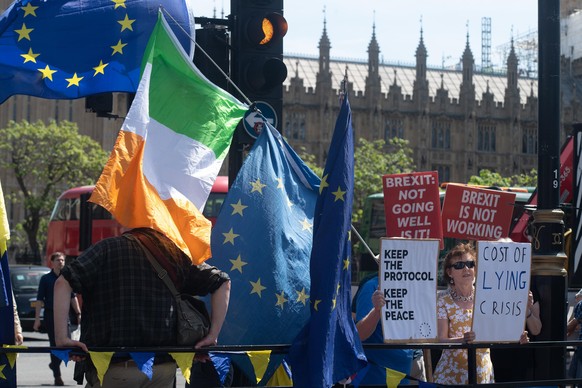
x,y
64,224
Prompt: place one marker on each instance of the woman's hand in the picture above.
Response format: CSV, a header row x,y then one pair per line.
x,y
530,302
524,339
469,336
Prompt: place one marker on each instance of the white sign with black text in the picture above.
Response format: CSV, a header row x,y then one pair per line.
x,y
501,290
408,280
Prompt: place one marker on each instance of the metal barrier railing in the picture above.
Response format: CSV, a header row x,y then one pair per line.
x,y
568,346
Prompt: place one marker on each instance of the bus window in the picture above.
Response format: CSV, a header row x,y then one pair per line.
x,y
213,205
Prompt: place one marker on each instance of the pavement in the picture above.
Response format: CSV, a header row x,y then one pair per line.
x,y
32,368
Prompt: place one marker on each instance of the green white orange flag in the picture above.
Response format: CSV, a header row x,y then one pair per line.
x,y
170,148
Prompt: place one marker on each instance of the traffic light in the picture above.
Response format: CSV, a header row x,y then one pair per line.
x,y
258,28
213,40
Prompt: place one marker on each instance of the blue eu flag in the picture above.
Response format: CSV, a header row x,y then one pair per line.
x,y
7,372
64,49
262,238
328,348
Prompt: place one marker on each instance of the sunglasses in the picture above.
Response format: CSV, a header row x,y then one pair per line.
x,y
462,264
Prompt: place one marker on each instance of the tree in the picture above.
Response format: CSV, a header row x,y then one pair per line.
x,y
372,160
309,160
489,178
44,159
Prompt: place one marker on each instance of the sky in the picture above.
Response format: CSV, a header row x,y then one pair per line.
x,y
445,24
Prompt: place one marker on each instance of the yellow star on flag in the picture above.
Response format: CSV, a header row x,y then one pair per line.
x,y
306,225
257,287
30,56
74,80
316,304
257,186
323,183
24,33
2,371
281,299
100,69
289,203
237,264
47,72
347,263
302,296
237,208
118,48
333,302
230,236
280,184
339,194
126,23
29,9
119,3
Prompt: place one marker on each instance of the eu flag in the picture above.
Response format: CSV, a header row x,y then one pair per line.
x,y
262,238
64,49
7,373
328,348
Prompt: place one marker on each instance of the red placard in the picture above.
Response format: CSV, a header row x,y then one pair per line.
x,y
412,205
471,213
519,232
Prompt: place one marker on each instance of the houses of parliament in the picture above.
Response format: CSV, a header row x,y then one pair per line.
x,y
457,121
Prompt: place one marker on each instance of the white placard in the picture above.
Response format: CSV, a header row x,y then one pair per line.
x,y
501,290
408,279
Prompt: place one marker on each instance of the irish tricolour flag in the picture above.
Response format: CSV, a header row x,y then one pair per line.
x,y
170,148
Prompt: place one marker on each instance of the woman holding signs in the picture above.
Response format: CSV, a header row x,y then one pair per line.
x,y
454,313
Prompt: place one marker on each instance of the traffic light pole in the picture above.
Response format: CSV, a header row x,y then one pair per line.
x,y
548,261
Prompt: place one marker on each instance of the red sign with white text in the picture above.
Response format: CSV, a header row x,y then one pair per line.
x,y
471,213
412,205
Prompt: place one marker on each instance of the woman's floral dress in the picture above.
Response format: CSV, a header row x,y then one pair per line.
x,y
452,366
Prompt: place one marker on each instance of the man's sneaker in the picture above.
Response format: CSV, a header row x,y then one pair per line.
x,y
59,382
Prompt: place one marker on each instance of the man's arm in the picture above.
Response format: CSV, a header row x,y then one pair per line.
x,y
39,304
368,324
62,302
219,301
76,308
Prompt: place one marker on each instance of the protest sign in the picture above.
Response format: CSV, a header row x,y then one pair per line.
x,y
501,290
412,205
471,213
408,279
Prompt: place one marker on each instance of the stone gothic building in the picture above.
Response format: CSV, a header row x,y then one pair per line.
x,y
457,121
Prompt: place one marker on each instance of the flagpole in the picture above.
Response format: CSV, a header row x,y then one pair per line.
x,y
343,93
247,100
375,256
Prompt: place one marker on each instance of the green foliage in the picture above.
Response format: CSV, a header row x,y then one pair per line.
x,y
530,179
374,159
489,178
309,160
45,159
